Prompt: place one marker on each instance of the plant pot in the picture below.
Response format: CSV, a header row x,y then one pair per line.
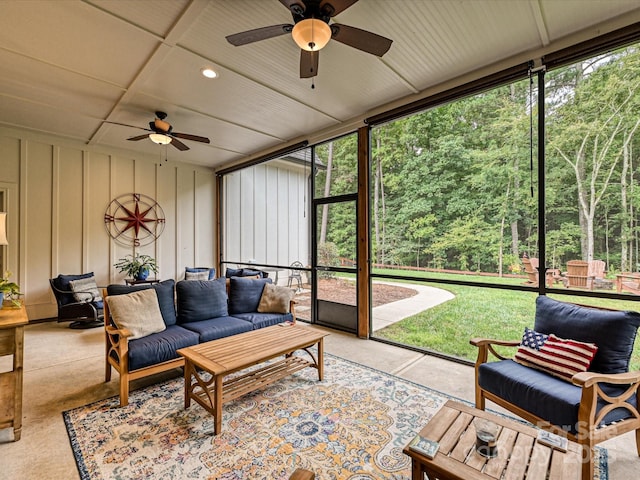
x,y
1,299
142,274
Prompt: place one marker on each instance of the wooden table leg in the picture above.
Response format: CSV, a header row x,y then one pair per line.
x,y
321,359
187,383
217,405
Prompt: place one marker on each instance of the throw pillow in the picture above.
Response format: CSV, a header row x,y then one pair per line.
x,y
275,299
138,312
166,296
201,300
85,290
196,275
210,271
558,356
245,294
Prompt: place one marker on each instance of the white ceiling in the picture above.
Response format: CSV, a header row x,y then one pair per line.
x,y
67,65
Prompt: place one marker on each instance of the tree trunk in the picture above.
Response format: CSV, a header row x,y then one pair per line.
x,y
327,191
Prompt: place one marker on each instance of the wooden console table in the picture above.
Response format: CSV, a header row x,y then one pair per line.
x,y
12,322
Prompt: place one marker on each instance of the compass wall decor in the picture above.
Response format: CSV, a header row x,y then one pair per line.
x,y
134,219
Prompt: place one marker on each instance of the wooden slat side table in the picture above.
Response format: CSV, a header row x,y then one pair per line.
x,y
520,456
12,322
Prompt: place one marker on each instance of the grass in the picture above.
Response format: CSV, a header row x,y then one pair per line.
x,y
481,312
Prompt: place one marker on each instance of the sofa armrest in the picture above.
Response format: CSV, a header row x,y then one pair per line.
x,y
486,346
292,309
590,413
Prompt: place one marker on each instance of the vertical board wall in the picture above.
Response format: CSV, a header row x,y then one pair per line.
x,y
57,195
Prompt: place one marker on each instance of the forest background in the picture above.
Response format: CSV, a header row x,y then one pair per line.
x,y
456,187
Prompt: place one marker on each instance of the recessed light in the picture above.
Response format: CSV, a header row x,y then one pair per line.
x,y
209,73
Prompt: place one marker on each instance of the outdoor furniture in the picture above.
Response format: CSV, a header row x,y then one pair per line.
x,y
519,456
531,269
629,282
577,275
207,366
594,405
295,274
86,312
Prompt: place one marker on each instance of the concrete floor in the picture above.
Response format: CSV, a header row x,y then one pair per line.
x,y
65,369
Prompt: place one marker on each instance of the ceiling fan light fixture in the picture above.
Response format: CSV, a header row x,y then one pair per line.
x,y
311,34
159,138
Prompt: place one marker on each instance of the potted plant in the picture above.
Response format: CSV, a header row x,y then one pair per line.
x,y
137,266
9,289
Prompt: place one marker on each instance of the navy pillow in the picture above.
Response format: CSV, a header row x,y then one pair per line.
x,y
245,293
212,271
164,290
249,272
63,282
614,332
233,272
201,300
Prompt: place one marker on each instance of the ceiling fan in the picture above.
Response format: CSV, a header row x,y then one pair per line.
x,y
162,133
311,31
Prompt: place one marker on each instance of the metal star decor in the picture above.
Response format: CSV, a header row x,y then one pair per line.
x,y
134,219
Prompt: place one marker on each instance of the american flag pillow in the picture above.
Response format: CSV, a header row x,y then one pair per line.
x,y
557,356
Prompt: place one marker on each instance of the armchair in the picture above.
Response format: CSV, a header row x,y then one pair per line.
x,y
83,306
594,405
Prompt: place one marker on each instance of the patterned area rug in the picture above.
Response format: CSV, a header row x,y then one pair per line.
x,y
353,425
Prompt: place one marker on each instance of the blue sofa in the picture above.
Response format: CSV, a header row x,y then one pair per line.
x,y
193,312
594,405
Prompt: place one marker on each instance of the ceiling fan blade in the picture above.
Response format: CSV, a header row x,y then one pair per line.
x,y
258,34
290,3
361,39
127,125
309,63
334,7
178,144
139,137
188,136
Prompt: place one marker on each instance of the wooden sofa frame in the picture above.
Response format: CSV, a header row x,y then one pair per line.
x,y
588,433
116,355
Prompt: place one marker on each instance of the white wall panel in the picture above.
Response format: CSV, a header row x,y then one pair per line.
x,y
38,172
247,203
63,189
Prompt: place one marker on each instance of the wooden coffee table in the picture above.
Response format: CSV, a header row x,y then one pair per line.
x,y
219,358
519,454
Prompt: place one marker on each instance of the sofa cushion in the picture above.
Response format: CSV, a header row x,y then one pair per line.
x,y
62,282
159,347
558,356
245,293
614,332
261,320
165,292
220,327
541,394
190,271
138,312
276,299
201,300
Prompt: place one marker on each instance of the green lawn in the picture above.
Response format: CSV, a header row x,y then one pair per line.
x,y
481,312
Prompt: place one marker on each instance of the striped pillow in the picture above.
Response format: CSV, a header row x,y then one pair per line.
x,y
558,356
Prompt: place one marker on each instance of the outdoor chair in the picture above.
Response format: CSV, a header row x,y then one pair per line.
x,y
78,300
531,269
295,274
577,275
589,406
